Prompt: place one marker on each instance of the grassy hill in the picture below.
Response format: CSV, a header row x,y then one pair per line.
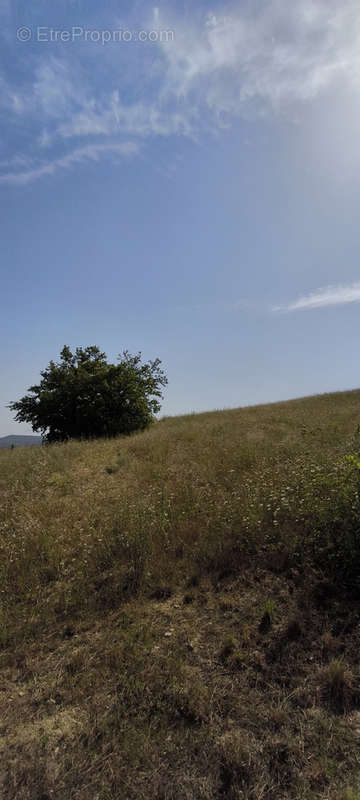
x,y
179,613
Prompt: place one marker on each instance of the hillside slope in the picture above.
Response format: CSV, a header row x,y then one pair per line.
x,y
19,441
180,610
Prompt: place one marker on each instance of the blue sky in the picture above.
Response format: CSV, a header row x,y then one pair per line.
x,y
194,195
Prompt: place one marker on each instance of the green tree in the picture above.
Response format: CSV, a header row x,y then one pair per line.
x,y
83,396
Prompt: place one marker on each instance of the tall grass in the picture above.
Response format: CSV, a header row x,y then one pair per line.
x,y
206,492
165,627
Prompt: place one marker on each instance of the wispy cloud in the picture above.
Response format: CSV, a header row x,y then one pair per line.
x,y
138,119
262,58
326,296
91,152
278,54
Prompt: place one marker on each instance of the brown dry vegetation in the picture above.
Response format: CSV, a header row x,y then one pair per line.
x,y
179,613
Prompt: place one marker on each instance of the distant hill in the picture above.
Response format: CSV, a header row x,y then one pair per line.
x,y
19,441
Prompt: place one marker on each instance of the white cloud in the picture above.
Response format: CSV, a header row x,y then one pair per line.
x,y
286,52
137,119
89,152
265,58
10,99
55,92
55,89
224,65
327,296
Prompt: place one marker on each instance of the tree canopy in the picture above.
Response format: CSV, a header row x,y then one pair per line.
x,y
83,396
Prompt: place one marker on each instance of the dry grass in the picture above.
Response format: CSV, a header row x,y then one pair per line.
x,y
177,614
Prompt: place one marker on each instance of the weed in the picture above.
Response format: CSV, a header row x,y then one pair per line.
x,y
239,759
4,630
228,648
337,687
269,608
351,794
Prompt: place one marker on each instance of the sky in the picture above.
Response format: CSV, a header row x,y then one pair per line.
x,y
182,180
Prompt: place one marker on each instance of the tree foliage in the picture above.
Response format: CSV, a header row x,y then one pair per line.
x,y
83,396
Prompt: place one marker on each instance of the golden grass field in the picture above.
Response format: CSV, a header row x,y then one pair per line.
x,y
179,612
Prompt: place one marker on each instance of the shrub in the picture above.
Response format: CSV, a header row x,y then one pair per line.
x,y
85,397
